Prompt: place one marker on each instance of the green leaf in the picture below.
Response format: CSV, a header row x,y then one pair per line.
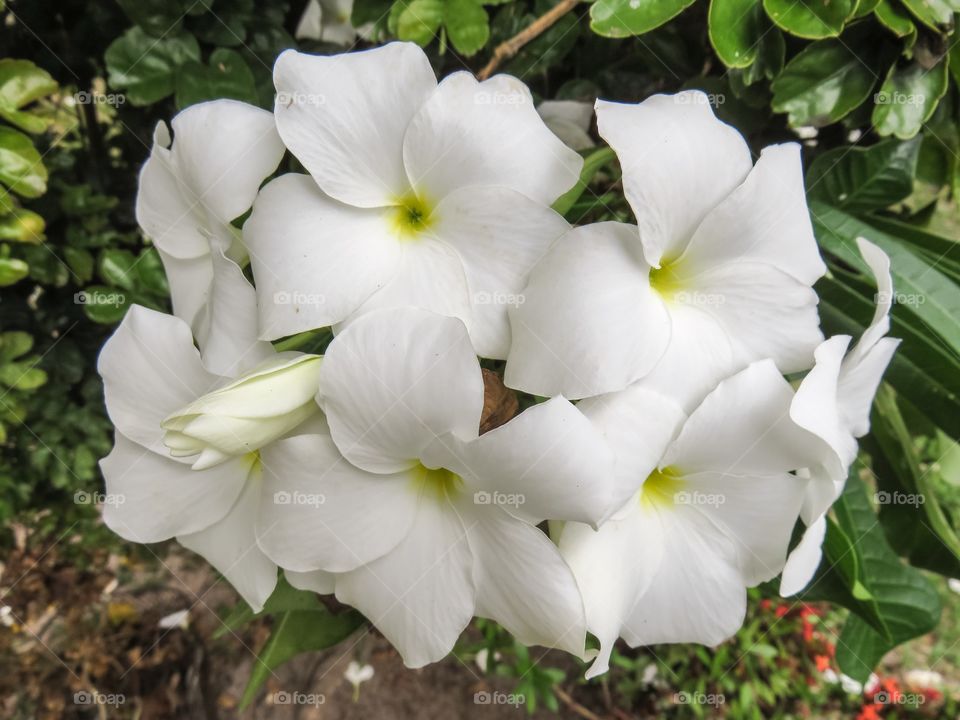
x,y
863,179
22,376
908,603
467,25
735,28
908,98
21,83
103,304
150,272
418,21
592,164
12,270
227,76
21,167
932,13
822,84
895,18
14,344
623,18
118,268
146,67
157,17
22,225
813,19
295,632
369,11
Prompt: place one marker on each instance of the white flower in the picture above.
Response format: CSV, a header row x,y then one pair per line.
x,y
421,194
569,120
425,524
207,490
833,403
923,679
357,673
707,517
327,21
189,193
719,276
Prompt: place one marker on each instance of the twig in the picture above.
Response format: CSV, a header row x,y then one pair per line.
x,y
574,705
508,48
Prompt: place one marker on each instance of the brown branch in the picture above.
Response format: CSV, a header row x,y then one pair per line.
x,y
574,705
508,48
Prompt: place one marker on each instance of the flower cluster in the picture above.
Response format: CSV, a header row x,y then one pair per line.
x,y
671,457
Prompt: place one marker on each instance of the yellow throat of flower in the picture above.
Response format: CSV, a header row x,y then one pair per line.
x,y
661,489
666,280
410,217
439,483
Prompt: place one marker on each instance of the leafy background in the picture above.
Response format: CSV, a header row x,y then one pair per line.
x,y
870,88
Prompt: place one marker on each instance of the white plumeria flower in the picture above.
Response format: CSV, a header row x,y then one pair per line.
x,y
327,21
570,121
833,403
427,195
187,456
709,513
719,276
189,193
424,523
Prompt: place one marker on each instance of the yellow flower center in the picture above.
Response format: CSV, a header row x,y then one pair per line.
x,y
410,216
439,483
660,491
666,281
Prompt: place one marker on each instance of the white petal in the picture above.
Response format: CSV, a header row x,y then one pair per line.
x,y
697,595
316,581
320,512
638,425
589,322
757,513
765,220
743,427
189,280
309,25
522,582
613,567
570,121
230,546
548,462
344,117
473,133
150,369
859,382
429,275
765,312
804,559
879,263
314,260
420,595
678,163
499,235
395,379
151,498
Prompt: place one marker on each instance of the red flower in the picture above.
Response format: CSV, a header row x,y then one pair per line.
x,y
781,611
823,662
869,712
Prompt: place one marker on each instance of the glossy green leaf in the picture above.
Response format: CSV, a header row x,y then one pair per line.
x,y
22,225
21,167
22,375
623,18
104,304
908,98
814,19
226,76
822,84
12,270
21,83
932,13
863,179
418,21
144,67
592,164
118,268
467,25
14,344
908,603
895,18
735,28
771,55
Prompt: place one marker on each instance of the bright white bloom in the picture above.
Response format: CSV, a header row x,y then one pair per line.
x,y
327,21
707,517
186,460
419,194
189,193
410,516
569,120
833,402
719,276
